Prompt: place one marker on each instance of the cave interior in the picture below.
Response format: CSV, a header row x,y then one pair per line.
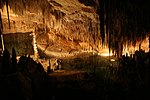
x,y
74,49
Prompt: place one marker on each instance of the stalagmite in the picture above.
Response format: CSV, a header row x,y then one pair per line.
x,y
149,43
35,46
1,32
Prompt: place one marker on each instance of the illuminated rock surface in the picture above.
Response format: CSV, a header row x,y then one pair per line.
x,y
66,27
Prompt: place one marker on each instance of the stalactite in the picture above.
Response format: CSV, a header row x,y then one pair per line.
x,y
8,13
102,13
125,21
1,23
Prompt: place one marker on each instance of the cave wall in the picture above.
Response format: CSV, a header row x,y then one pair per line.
x,y
61,26
79,25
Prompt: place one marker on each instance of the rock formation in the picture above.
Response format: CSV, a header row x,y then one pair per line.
x,y
64,27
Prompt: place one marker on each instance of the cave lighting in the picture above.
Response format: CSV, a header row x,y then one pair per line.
x,y
105,52
130,49
112,60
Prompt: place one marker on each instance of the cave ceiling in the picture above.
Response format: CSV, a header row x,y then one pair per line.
x,y
76,25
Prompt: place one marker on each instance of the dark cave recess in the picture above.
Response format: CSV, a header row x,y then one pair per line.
x,y
21,42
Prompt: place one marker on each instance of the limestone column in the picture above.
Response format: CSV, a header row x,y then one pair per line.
x,y
35,46
1,32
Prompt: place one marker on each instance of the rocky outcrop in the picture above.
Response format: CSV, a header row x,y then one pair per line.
x,y
60,26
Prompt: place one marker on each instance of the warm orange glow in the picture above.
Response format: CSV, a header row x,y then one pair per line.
x,y
127,49
11,13
130,49
112,60
105,52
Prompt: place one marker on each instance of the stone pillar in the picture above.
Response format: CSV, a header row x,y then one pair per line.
x,y
2,41
1,32
35,47
149,43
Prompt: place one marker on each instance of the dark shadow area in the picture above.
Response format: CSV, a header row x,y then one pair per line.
x,y
27,80
21,42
